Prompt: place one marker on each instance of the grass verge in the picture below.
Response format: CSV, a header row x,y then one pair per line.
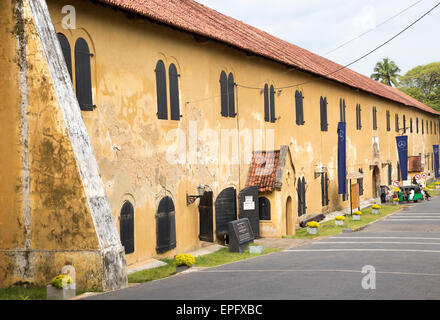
x,y
214,259
329,228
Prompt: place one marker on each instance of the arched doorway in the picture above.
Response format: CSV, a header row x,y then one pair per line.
x,y
290,221
127,227
165,226
375,182
225,211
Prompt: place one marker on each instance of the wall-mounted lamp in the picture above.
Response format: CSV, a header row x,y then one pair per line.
x,y
191,198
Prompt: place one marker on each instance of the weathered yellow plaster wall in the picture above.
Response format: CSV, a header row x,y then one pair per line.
x,y
131,144
47,224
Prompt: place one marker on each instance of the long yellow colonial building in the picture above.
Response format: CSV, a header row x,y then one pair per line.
x,y
139,129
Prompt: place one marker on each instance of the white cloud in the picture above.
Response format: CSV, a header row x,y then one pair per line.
x,y
319,26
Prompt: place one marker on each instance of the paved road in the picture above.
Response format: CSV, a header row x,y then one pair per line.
x,y
403,249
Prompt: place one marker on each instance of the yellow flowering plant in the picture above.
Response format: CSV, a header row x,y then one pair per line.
x,y
357,213
376,206
340,218
61,280
312,224
184,259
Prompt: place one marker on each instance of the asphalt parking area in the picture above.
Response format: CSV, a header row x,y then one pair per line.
x,y
401,253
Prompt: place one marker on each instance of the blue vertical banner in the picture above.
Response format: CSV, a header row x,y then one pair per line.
x,y
436,159
342,159
402,150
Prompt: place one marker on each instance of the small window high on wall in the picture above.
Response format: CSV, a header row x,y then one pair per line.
x,y
264,208
269,103
83,75
342,108
174,92
161,90
358,117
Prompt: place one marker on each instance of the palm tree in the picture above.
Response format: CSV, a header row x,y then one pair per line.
x,y
386,72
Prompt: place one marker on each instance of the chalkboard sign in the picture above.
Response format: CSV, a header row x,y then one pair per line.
x,y
240,235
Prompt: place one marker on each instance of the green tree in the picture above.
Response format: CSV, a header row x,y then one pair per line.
x,y
423,83
386,71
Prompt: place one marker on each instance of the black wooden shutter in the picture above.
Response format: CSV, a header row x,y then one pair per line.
x,y
161,89
423,129
390,174
326,180
299,108
174,92
417,125
404,123
323,190
65,47
266,102
225,210
411,125
224,94
127,227
300,198
360,181
165,226
272,104
398,171
396,117
83,75
323,108
304,196
231,95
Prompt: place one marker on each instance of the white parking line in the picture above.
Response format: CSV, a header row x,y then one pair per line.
x,y
376,242
404,219
315,270
361,249
410,238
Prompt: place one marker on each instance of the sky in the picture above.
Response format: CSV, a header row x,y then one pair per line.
x,y
320,26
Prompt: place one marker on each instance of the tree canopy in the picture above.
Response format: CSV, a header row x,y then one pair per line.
x,y
423,84
386,71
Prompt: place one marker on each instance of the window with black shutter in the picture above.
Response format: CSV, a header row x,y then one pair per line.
x,y
410,125
161,90
83,75
358,117
390,174
374,118
417,125
323,111
264,208
299,108
360,181
398,171
227,93
430,124
404,123
301,190
231,95
423,127
165,226
174,92
388,121
127,227
397,122
324,189
65,48
266,103
272,104
342,110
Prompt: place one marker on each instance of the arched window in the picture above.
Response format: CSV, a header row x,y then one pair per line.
x,y
83,75
127,227
266,103
65,48
161,89
342,110
227,93
264,208
165,226
174,92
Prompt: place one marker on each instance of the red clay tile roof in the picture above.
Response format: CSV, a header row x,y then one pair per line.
x,y
194,17
262,170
